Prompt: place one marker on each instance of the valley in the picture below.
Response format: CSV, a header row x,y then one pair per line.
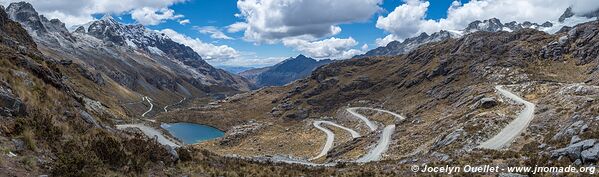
x,y
115,99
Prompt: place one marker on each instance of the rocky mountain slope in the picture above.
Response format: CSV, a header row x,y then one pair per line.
x,y
284,72
51,121
141,60
490,25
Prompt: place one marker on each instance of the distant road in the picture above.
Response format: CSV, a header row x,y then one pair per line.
x,y
165,108
150,132
151,106
517,126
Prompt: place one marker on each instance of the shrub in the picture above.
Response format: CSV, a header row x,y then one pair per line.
x,y
29,139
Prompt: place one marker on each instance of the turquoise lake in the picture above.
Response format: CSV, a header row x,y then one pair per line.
x,y
191,133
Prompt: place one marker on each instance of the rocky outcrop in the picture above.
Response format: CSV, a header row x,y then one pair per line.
x,y
10,105
449,138
583,43
573,129
586,151
487,103
88,118
568,13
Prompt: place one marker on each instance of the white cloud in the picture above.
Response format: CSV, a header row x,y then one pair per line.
x,y
206,50
584,6
364,47
403,19
408,19
249,60
334,48
386,40
237,27
184,21
272,20
214,32
76,12
151,16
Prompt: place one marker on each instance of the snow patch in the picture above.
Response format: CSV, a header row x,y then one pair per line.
x,y
155,50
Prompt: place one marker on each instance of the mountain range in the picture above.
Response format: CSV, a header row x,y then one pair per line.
x,y
284,72
491,25
142,60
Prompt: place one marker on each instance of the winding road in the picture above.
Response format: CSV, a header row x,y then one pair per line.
x,y
150,132
369,123
375,153
165,108
330,136
514,128
151,106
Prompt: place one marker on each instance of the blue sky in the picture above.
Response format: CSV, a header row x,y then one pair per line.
x,y
220,14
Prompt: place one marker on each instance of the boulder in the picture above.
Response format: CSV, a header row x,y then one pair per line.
x,y
88,118
487,102
10,105
575,139
19,145
173,152
569,131
573,151
300,114
448,139
590,154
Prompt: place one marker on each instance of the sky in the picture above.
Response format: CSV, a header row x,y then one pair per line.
x,y
263,32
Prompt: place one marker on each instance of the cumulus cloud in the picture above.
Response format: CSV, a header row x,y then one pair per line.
x,y
584,6
403,19
151,16
78,12
184,21
214,32
334,48
206,50
249,60
408,19
272,20
237,27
